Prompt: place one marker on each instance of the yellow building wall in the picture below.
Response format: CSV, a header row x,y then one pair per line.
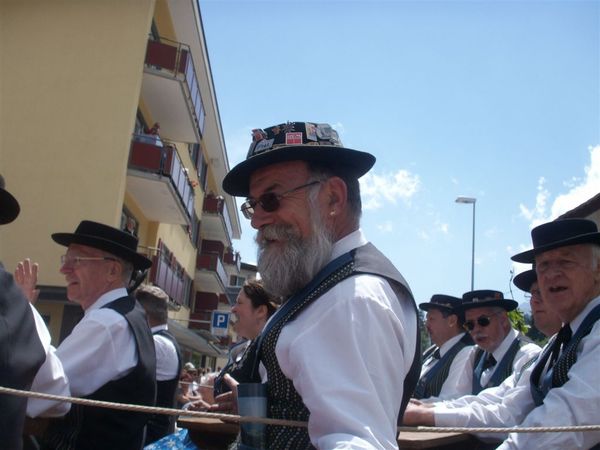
x,y
70,77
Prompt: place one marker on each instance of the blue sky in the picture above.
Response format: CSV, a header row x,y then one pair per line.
x,y
494,100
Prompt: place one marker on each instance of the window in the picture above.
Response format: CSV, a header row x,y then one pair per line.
x,y
235,280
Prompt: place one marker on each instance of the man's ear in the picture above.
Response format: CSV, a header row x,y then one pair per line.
x,y
337,195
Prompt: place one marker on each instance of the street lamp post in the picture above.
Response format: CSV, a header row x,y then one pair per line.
x,y
472,201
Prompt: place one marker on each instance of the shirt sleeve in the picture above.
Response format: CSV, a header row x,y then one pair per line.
x,y
347,355
577,402
100,348
50,378
166,358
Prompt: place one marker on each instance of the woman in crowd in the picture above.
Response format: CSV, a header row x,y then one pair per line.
x,y
252,309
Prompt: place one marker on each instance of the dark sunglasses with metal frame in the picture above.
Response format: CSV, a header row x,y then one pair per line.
x,y
269,201
482,321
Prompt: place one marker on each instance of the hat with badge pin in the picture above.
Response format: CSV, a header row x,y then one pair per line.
x,y
296,141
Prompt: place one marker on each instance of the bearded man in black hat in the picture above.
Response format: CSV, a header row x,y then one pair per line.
x,y
564,381
500,350
446,364
339,351
110,353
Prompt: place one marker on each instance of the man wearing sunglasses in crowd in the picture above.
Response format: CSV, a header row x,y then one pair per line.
x,y
341,351
500,406
500,350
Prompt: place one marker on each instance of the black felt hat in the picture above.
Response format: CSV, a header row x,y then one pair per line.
x,y
445,303
485,298
524,280
296,141
559,233
9,206
108,239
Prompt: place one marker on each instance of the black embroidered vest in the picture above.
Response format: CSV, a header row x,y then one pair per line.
x,y
239,366
284,402
161,425
93,428
503,370
558,374
430,384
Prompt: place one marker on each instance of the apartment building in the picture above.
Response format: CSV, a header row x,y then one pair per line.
x,y
108,112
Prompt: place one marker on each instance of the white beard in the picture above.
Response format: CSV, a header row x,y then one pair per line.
x,y
287,268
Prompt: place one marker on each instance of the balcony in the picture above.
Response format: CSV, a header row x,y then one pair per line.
x,y
158,181
216,223
169,275
210,273
171,92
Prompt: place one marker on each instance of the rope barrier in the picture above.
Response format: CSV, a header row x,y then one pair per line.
x,y
290,423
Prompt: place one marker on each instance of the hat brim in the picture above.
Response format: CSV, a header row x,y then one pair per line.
x,y
139,262
352,162
524,280
529,255
506,304
428,305
9,207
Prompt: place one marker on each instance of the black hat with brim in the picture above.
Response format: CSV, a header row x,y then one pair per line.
x,y
486,298
296,141
105,238
445,303
9,206
524,280
559,233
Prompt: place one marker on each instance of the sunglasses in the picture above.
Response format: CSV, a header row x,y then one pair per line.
x,y
269,201
482,321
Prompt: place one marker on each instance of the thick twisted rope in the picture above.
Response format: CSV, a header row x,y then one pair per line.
x,y
290,423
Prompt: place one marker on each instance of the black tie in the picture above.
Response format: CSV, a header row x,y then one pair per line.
x,y
436,354
490,361
562,339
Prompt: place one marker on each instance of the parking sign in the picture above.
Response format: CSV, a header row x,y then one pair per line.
x,y
219,323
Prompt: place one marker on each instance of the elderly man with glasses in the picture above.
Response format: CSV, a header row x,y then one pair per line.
x,y
110,354
341,352
500,350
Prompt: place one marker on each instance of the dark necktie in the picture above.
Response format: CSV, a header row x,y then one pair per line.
x,y
490,361
436,354
562,339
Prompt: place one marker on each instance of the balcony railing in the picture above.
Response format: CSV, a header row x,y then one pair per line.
x,y
211,262
167,274
151,155
175,59
217,207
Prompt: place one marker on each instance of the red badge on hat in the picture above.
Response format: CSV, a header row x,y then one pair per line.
x,y
293,138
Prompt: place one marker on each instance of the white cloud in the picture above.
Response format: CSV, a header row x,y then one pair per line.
x,y
579,191
454,181
388,188
386,227
423,235
443,227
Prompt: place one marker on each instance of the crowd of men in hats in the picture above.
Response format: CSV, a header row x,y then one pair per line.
x,y
342,352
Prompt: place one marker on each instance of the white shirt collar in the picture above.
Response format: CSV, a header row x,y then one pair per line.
x,y
106,298
576,322
450,343
347,243
159,328
505,344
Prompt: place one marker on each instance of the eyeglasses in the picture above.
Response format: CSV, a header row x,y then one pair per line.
x,y
482,321
269,201
75,260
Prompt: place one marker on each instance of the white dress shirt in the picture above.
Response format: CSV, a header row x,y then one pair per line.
x,y
577,402
460,374
100,348
525,354
49,379
347,355
166,355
